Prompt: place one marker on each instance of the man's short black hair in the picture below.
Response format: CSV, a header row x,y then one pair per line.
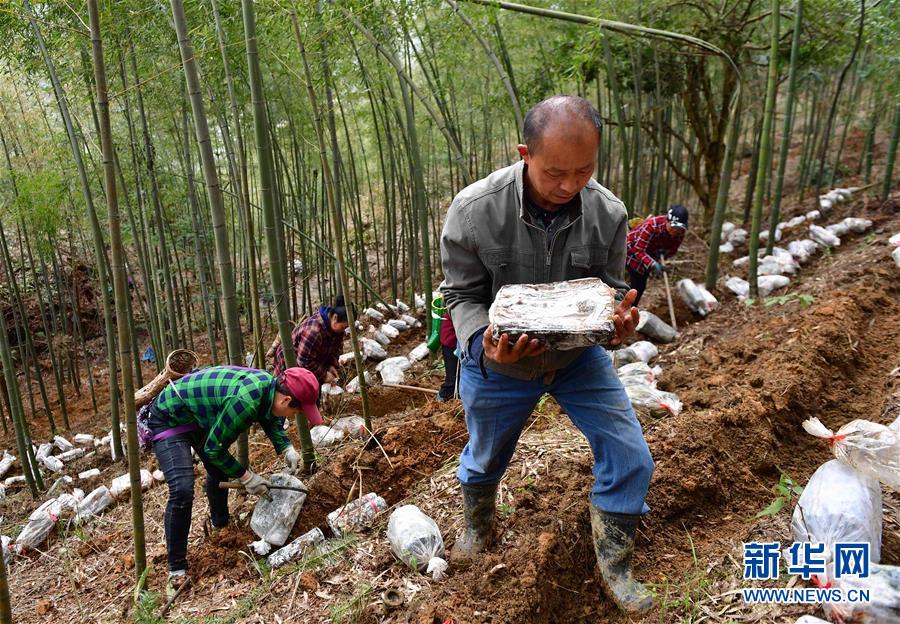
x,y
571,107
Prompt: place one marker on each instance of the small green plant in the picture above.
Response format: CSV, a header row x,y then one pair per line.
x,y
542,402
784,490
351,610
805,300
506,509
146,611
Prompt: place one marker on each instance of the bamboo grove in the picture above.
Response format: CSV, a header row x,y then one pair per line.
x,y
202,174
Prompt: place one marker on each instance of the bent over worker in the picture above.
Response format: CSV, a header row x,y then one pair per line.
x,y
650,243
545,219
317,342
206,411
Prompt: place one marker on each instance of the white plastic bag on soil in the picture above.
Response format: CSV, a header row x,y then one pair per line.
x,y
356,514
896,256
52,464
870,448
392,375
640,351
325,435
346,358
419,353
389,330
331,389
769,283
562,315
5,543
62,444
802,250
273,519
798,220
380,338
351,426
17,480
655,328
374,314
353,385
813,215
883,585
398,361
637,373
75,453
87,475
856,225
159,476
295,548
36,532
261,547
894,240
658,402
692,296
726,248
410,321
838,505
738,286
416,541
823,236
94,504
397,324
372,349
402,307
122,484
84,439
727,229
838,229
44,450
738,237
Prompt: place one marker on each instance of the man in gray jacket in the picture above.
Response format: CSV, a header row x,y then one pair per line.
x,y
541,220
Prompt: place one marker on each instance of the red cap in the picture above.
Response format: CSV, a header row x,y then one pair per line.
x,y
304,387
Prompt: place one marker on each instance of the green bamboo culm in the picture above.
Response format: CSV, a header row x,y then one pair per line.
x,y
120,291
775,213
765,148
891,156
266,190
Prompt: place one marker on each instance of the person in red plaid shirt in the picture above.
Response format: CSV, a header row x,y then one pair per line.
x,y
655,239
318,342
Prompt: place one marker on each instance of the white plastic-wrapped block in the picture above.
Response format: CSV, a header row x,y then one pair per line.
x,y
397,324
62,444
825,204
274,518
726,248
5,542
94,504
738,237
856,225
381,306
84,440
389,330
44,450
122,484
883,606
894,240
346,358
839,504
2,491
89,474
655,328
295,548
727,229
870,448
562,315
416,541
11,481
60,484
351,426
331,389
769,283
356,514
419,353
838,229
380,338
802,250
640,351
637,373
896,256
798,220
401,306
75,453
813,215
764,235
325,435
770,266
52,464
35,532
397,361
158,475
353,385
692,296
374,314
658,402
410,321
823,236
392,375
372,349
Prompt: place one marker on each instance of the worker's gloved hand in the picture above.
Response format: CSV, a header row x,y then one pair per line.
x,y
292,459
255,484
657,269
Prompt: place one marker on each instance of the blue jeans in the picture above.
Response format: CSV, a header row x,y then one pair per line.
x,y
593,397
174,456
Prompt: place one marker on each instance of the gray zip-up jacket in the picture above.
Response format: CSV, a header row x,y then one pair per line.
x,y
489,241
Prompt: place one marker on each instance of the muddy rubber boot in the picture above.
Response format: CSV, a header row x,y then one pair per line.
x,y
478,510
614,544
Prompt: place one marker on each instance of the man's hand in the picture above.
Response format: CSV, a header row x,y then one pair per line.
x,y
658,269
505,353
292,460
332,375
626,318
255,484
